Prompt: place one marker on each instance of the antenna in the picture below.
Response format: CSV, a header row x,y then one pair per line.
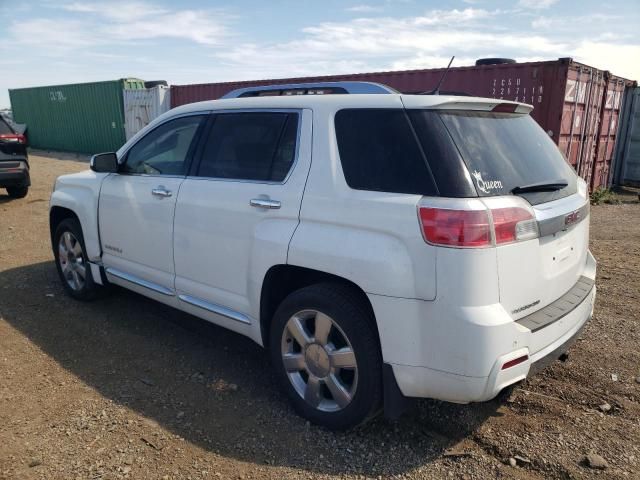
x,y
437,89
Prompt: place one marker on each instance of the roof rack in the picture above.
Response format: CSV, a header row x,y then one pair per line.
x,y
319,88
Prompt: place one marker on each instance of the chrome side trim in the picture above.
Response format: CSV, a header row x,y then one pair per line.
x,y
212,307
560,223
140,282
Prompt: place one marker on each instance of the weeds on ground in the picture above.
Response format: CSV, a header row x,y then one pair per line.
x,y
603,195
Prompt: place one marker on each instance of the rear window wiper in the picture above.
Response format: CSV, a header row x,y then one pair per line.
x,y
541,187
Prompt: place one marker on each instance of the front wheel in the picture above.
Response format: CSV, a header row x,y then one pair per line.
x,y
325,352
72,262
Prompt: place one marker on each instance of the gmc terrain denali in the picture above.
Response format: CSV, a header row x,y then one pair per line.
x,y
381,246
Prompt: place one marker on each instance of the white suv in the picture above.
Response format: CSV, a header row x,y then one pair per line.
x,y
381,246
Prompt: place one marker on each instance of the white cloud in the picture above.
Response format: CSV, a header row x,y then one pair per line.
x,y
575,25
364,9
119,23
615,57
537,4
120,11
193,25
366,44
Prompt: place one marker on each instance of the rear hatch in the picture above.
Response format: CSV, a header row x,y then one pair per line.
x,y
508,160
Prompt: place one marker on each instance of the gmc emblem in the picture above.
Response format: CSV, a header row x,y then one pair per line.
x,y
572,218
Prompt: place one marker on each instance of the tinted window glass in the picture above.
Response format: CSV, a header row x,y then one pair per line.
x,y
164,150
503,151
379,152
447,166
257,146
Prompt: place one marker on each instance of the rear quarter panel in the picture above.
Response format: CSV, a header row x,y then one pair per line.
x,y
370,238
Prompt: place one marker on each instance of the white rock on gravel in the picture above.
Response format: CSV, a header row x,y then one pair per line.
x,y
593,460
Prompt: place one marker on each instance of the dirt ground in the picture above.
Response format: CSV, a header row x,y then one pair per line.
x,y
127,388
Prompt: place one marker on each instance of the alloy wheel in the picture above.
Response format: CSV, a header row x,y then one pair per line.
x,y
71,260
319,360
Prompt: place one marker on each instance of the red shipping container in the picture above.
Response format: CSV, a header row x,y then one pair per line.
x,y
578,105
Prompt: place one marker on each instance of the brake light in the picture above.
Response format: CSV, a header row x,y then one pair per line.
x,y
13,137
505,108
512,224
455,228
477,228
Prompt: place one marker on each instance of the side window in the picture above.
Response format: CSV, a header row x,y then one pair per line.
x,y
163,151
379,152
257,146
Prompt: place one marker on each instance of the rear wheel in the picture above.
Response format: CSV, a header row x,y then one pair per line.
x,y
72,262
17,192
325,352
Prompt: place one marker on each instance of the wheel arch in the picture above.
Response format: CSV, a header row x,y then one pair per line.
x,y
56,215
282,280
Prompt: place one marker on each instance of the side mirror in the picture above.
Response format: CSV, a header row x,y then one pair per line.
x,y
104,162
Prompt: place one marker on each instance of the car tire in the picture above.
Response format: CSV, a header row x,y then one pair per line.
x,y
325,351
72,262
17,192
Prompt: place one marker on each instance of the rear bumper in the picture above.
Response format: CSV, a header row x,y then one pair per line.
x,y
465,359
14,174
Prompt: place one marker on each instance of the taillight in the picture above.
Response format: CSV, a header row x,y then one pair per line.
x,y
478,227
513,223
13,137
455,228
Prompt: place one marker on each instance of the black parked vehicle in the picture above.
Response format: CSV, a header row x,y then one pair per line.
x,y
14,164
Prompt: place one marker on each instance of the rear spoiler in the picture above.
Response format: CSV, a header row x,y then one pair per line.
x,y
466,103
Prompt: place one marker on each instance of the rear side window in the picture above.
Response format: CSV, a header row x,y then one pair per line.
x,y
379,152
257,146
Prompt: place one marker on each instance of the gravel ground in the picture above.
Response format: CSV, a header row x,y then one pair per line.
x,y
127,388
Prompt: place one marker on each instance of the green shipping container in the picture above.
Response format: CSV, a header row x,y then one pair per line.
x,y
82,117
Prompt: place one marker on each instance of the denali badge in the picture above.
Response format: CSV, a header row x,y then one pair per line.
x,y
525,307
115,249
572,218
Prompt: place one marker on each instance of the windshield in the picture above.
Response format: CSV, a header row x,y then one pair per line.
x,y
503,151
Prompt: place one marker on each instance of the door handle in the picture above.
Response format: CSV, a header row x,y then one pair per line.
x,y
264,203
161,192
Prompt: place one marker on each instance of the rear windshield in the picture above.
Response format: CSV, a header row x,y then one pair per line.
x,y
503,151
4,127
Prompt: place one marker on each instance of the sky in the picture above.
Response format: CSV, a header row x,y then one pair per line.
x,y
51,42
